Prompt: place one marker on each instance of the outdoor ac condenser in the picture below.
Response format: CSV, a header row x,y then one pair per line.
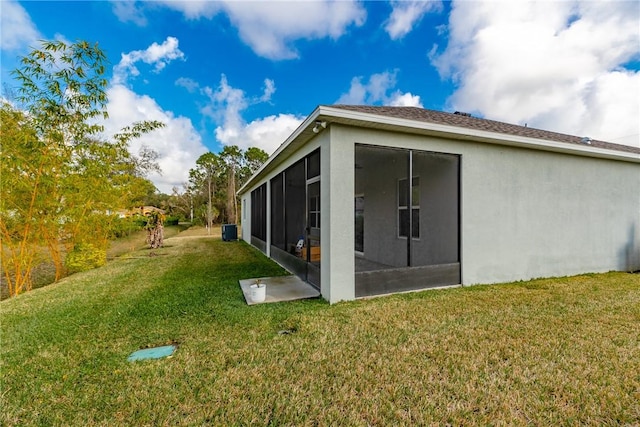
x,y
229,232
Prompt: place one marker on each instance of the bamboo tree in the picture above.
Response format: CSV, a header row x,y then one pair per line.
x,y
25,163
60,178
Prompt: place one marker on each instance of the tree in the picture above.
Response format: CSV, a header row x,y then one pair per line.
x,y
205,175
25,164
232,157
253,158
60,177
155,229
213,182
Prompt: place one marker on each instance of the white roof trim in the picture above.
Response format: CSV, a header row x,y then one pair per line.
x,y
308,122
481,135
327,113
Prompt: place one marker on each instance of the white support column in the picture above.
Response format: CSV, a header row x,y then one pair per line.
x,y
337,157
267,250
246,219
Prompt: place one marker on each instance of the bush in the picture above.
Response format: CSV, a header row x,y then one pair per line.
x,y
198,221
122,227
171,220
140,221
85,256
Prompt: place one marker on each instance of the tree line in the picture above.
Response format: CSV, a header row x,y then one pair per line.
x,y
209,196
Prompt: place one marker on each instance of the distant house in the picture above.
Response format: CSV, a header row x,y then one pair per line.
x,y
140,210
362,201
144,210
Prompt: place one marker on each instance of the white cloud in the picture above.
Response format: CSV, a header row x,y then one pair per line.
x,y
226,104
357,93
158,55
178,143
187,83
17,31
399,99
267,133
128,11
225,108
553,65
406,14
377,91
614,103
271,28
194,9
269,89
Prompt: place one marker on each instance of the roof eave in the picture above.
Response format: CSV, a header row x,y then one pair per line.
x,y
296,138
356,118
468,134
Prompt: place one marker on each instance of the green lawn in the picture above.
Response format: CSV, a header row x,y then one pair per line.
x,y
44,272
547,352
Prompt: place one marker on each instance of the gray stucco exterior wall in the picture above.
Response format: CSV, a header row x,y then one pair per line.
x,y
524,213
337,232
529,213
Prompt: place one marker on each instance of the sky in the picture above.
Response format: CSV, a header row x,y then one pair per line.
x,y
247,73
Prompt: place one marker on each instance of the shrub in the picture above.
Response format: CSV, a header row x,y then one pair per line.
x,y
171,220
140,221
85,256
122,227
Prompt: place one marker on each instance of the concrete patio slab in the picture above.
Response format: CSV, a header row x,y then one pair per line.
x,y
282,288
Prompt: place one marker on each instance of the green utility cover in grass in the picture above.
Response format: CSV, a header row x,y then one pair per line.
x,y
152,353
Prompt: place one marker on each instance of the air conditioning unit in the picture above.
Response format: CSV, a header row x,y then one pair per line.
x,y
229,232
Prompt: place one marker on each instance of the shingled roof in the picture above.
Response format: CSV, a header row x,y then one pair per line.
x,y
466,121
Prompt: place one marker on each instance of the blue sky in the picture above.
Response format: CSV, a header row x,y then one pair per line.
x,y
247,73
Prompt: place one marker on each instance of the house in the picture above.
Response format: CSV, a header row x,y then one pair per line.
x,y
363,201
139,210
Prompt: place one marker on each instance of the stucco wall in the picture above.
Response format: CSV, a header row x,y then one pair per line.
x,y
337,231
528,213
524,213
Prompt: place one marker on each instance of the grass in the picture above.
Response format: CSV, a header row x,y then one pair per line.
x,y
547,352
44,272
138,240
